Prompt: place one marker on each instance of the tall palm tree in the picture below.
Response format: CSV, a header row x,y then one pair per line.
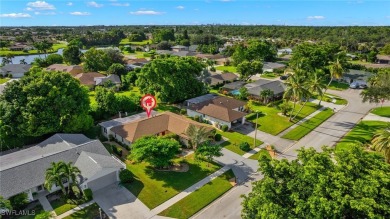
x,y
316,84
381,143
266,95
197,135
55,175
70,172
296,91
336,71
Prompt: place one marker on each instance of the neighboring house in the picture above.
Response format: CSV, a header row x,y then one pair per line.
x,y
159,124
271,66
136,63
92,79
173,53
115,79
24,170
234,86
216,79
14,70
179,48
209,56
256,87
218,111
223,61
71,69
356,76
285,51
383,59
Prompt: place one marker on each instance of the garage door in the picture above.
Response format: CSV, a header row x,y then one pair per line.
x,y
102,181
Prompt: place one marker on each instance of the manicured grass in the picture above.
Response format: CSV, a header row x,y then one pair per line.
x,y
382,111
362,132
227,68
37,210
3,80
133,91
338,86
127,42
90,212
154,187
306,127
258,154
200,198
269,75
272,122
56,47
61,206
161,107
329,98
235,139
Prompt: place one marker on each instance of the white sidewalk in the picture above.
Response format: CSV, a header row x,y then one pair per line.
x,y
374,117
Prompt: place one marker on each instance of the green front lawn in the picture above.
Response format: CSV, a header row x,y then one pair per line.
x,y
56,47
306,127
258,154
154,187
61,205
235,139
338,86
227,68
127,42
269,75
362,132
382,111
161,107
3,80
329,98
271,121
200,198
90,212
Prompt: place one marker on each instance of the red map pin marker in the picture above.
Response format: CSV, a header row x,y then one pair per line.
x,y
148,102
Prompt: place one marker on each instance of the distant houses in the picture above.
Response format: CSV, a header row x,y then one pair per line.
x,y
14,70
71,69
218,79
383,59
255,88
92,79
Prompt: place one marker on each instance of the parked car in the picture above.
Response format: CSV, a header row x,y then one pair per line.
x,y
284,77
362,85
354,85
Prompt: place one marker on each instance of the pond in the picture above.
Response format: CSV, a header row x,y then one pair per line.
x,y
30,58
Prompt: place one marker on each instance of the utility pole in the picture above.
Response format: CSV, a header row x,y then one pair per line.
x,y
254,141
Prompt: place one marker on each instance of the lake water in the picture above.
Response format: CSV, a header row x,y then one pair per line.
x,y
30,58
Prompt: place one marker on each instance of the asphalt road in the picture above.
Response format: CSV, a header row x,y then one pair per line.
x,y
328,133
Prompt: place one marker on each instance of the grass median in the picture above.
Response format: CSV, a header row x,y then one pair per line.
x,y
382,111
200,198
306,127
234,140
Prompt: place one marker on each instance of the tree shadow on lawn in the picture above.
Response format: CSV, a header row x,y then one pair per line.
x,y
135,187
253,116
362,133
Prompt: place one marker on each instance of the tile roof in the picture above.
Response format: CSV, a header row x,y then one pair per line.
x,y
166,121
88,78
256,87
220,78
74,69
234,85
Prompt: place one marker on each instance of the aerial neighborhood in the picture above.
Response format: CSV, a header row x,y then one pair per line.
x,y
249,121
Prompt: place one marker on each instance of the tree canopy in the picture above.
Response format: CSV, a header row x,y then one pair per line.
x,y
172,79
72,55
341,184
379,89
43,103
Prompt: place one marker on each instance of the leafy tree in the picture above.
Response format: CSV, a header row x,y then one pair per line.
x,y
55,176
127,103
19,201
4,44
5,204
343,184
72,55
164,45
106,100
128,80
43,46
43,103
70,172
381,142
44,215
379,89
266,95
96,60
75,42
260,50
247,69
54,59
207,151
137,37
386,49
371,56
243,93
164,35
172,79
114,56
117,69
197,135
7,59
157,151
40,62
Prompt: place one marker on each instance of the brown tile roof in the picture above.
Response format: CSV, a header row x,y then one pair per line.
x,y
221,108
88,78
383,57
140,60
72,69
166,121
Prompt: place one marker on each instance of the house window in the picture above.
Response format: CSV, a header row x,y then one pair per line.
x,y
105,130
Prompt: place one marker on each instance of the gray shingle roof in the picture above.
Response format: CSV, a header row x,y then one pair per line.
x,y
19,175
255,88
15,68
114,78
273,65
234,85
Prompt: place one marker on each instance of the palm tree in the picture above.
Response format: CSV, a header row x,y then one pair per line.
x,y
336,71
316,84
55,175
295,91
70,172
266,95
381,143
197,135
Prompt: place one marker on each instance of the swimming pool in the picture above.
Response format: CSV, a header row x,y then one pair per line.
x,y
235,92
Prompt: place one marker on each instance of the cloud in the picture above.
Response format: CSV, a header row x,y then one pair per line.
x,y
43,13
40,5
146,12
78,13
180,7
316,17
69,4
16,15
120,4
94,4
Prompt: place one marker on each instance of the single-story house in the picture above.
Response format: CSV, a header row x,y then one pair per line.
x,y
158,124
383,59
216,79
92,79
209,56
271,66
233,86
24,170
71,69
219,111
179,48
115,79
15,70
356,75
173,53
132,64
256,87
223,61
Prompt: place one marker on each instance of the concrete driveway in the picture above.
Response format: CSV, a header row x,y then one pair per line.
x,y
117,202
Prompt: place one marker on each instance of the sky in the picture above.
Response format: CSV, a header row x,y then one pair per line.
x,y
195,12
